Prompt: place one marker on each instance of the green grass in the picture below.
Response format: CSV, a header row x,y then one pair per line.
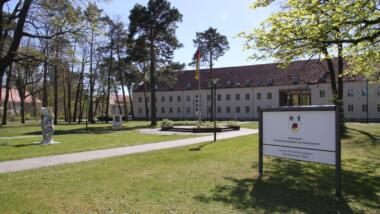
x,y
205,178
74,138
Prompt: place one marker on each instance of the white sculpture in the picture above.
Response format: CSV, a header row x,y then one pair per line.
x,y
47,118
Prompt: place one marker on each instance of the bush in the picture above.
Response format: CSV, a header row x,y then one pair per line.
x,y
166,124
232,123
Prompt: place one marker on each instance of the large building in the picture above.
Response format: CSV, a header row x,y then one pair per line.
x,y
242,90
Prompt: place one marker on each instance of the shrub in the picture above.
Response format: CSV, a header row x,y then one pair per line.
x,y
166,123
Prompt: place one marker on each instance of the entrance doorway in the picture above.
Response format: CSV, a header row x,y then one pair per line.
x,y
295,98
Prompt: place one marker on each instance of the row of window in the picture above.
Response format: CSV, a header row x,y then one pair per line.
x,y
350,107
218,110
350,93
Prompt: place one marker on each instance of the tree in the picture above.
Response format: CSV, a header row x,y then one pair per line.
x,y
328,30
93,18
212,45
157,23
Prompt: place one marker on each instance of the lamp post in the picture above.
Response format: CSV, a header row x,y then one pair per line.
x,y
214,82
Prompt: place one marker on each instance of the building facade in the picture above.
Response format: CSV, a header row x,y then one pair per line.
x,y
241,91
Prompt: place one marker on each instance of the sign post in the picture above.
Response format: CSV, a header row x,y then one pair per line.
x,y
310,133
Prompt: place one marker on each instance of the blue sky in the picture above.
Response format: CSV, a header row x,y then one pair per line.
x,y
229,16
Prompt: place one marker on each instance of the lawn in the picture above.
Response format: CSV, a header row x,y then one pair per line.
x,y
205,178
73,138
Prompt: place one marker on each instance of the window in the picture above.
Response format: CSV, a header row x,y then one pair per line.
x,y
258,108
270,82
269,95
378,107
295,79
179,98
208,97
228,84
147,99
259,96
321,93
140,110
219,97
237,96
188,110
178,110
209,110
219,109
364,108
170,110
228,97
140,99
162,110
238,84
364,92
188,86
350,108
248,83
188,98
228,109
247,96
170,98
247,109
163,99
378,91
350,92
237,109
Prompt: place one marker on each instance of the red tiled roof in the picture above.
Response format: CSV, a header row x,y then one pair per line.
x,y
311,71
113,100
14,96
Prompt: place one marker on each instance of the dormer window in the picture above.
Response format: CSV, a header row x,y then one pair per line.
x,y
248,83
238,84
228,84
270,81
156,87
295,79
188,86
258,83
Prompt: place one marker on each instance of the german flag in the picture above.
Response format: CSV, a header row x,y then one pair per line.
x,y
197,58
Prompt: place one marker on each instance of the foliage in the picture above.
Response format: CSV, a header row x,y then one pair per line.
x,y
211,44
166,123
319,29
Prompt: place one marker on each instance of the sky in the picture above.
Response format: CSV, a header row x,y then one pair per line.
x,y
230,17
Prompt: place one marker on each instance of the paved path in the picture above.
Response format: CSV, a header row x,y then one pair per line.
x,y
34,163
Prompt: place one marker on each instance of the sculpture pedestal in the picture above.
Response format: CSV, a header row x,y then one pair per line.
x,y
117,121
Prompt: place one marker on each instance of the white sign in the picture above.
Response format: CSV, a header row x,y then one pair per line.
x,y
300,135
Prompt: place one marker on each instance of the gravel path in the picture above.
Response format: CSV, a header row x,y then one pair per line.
x,y
39,162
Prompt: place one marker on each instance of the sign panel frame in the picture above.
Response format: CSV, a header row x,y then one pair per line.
x,y
274,149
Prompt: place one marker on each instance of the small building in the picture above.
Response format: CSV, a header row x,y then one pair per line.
x,y
32,103
243,90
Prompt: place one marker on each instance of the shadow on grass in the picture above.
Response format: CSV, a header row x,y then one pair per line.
x,y
91,130
20,145
200,147
291,187
372,138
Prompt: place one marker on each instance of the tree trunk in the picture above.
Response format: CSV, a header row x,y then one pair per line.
x,y
6,98
1,88
56,93
146,100
117,100
64,97
92,80
69,85
17,36
121,74
80,83
130,101
153,118
45,70
109,80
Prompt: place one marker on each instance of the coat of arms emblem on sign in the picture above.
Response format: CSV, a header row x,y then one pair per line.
x,y
294,123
